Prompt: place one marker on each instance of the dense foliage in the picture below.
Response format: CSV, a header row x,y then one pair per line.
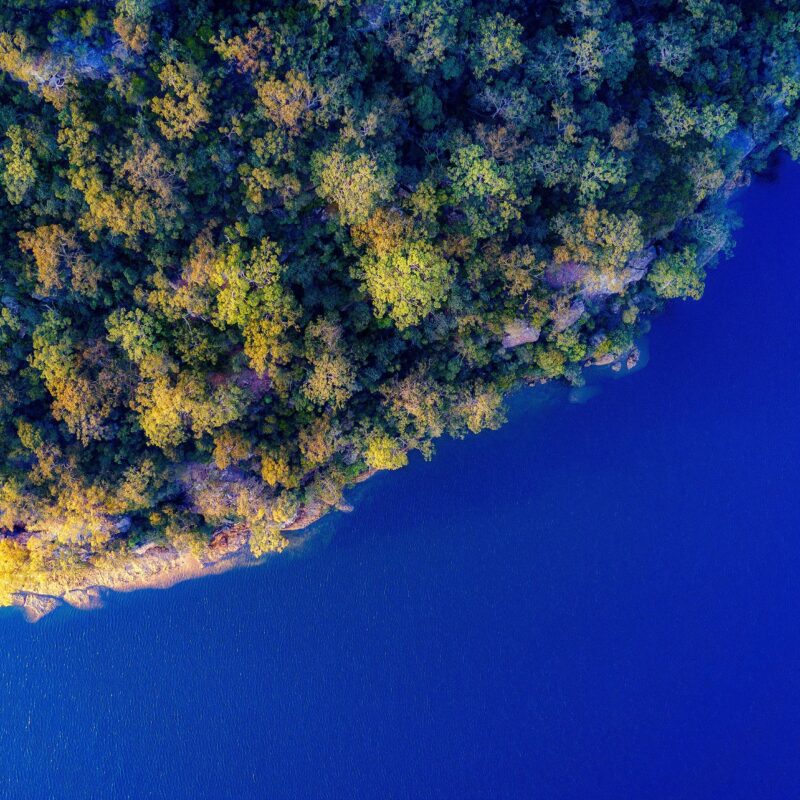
x,y
252,250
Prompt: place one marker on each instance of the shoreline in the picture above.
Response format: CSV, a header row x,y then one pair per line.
x,y
160,570
157,566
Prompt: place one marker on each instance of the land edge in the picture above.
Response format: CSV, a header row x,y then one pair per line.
x,y
158,566
162,566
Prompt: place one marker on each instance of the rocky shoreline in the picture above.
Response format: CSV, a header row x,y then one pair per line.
x,y
154,566
151,567
161,566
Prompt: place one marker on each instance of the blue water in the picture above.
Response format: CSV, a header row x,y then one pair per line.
x,y
598,601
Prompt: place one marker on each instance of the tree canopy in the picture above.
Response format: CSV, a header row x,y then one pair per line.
x,y
253,251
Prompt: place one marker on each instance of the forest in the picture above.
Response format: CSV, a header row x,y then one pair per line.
x,y
253,252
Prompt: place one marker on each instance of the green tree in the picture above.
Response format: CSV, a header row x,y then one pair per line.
x,y
407,282
184,107
383,451
497,45
355,182
19,165
678,275
484,189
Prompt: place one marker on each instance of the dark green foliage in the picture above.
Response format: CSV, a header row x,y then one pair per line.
x,y
296,240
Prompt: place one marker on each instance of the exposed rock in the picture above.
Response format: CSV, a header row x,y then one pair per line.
x,y
604,360
598,284
150,547
629,357
123,525
309,512
228,540
519,332
257,385
740,142
639,262
36,606
85,599
569,316
567,273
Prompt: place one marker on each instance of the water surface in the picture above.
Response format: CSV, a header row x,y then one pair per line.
x,y
598,601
